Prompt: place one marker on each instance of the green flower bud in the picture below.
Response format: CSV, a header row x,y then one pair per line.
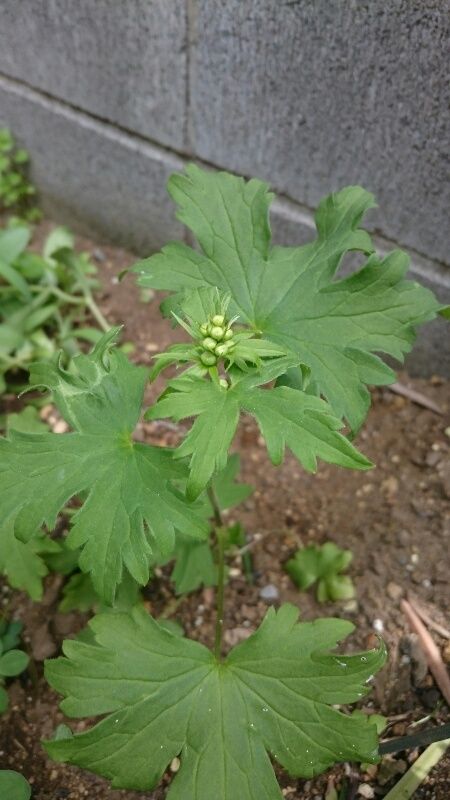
x,y
217,332
209,344
208,359
218,319
204,329
223,383
228,334
221,350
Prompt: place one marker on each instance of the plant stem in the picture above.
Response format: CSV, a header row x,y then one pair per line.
x,y
411,780
219,529
96,313
220,593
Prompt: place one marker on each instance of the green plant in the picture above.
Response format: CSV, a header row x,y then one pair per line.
x,y
323,563
297,359
16,191
13,786
12,660
44,301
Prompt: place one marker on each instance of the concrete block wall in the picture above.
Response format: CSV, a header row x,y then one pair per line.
x,y
111,97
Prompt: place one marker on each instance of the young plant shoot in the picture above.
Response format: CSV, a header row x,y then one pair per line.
x,y
274,335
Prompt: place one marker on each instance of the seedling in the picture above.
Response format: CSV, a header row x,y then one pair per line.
x,y
44,301
255,316
322,564
12,660
16,191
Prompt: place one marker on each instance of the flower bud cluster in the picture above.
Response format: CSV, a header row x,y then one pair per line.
x,y
218,340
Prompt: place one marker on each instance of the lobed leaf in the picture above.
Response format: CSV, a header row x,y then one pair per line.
x,y
290,294
23,562
286,417
322,563
132,506
165,696
194,566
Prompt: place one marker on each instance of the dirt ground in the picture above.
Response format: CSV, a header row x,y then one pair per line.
x,y
395,519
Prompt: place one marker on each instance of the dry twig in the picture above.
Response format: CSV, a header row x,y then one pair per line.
x,y
416,397
425,617
432,654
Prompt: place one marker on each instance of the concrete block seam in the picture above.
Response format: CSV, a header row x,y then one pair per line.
x,y
283,207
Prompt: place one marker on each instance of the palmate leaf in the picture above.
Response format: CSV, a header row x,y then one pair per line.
x,y
228,490
23,562
131,501
165,696
194,566
303,422
335,327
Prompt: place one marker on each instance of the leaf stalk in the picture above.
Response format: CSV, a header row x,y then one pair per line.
x,y
220,592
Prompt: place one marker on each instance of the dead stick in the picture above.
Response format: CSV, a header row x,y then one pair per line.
x,y
425,617
433,656
415,397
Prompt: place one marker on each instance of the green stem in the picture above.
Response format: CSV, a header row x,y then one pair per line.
x,y
220,593
87,300
411,780
96,313
57,292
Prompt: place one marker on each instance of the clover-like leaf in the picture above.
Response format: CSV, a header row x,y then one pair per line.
x,y
13,663
132,505
323,563
165,696
9,634
303,422
289,294
13,785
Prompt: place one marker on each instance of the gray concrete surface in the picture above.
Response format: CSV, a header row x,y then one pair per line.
x,y
317,94
92,176
311,95
121,61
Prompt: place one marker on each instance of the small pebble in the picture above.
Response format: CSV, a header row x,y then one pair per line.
x,y
234,572
351,607
46,412
390,486
233,636
98,254
60,427
366,791
394,590
404,537
269,593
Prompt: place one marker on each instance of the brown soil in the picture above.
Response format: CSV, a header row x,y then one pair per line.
x,y
395,519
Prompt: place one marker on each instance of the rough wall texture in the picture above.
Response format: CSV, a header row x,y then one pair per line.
x,y
309,94
317,94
